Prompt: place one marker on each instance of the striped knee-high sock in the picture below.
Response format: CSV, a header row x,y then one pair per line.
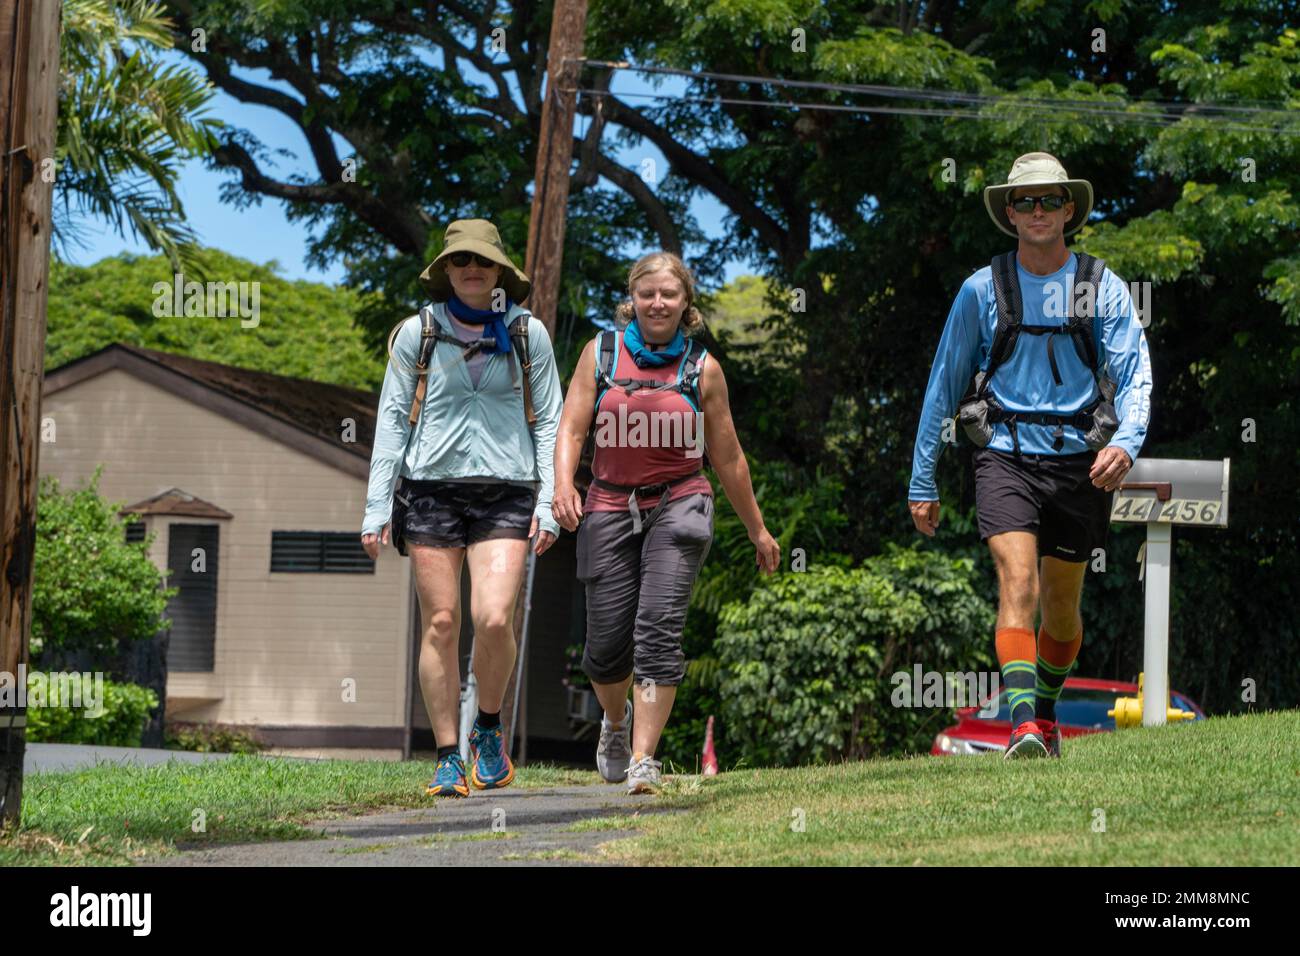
x,y
1015,647
1055,659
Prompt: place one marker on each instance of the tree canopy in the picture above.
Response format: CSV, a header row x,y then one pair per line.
x,y
304,330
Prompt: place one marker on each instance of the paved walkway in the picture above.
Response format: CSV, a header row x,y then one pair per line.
x,y
510,827
39,757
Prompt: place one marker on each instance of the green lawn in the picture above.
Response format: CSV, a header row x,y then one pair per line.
x,y
112,815
1225,791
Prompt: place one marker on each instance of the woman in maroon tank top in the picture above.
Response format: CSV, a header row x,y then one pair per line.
x,y
657,401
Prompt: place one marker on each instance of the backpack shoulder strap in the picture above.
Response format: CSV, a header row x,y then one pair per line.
x,y
688,372
1006,291
519,343
429,333
606,360
1088,274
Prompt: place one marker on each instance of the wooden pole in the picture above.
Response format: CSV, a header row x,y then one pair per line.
x,y
545,254
29,81
554,156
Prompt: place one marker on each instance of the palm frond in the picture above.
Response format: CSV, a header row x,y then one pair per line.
x,y
127,123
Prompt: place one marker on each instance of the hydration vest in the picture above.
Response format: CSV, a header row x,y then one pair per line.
x,y
978,410
687,382
431,334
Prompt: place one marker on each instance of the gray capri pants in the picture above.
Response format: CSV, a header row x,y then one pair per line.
x,y
638,589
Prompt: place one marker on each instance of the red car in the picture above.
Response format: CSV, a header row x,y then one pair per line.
x,y
1081,710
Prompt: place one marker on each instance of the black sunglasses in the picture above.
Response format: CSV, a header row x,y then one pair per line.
x,y
461,259
1049,203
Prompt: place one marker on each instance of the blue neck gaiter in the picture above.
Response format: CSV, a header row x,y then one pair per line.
x,y
494,323
641,352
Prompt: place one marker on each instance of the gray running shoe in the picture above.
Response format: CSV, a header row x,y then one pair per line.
x,y
643,775
614,751
1026,741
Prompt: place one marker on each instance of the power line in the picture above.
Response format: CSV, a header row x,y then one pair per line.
x,y
1165,113
1045,112
905,92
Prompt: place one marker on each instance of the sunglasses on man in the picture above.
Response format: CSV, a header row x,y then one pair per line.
x,y
1025,204
461,259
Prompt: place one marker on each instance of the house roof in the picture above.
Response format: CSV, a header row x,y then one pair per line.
x,y
299,412
173,501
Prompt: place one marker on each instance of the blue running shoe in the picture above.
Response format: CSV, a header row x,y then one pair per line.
x,y
449,778
490,764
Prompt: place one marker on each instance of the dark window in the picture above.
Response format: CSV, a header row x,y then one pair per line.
x,y
193,610
319,552
135,532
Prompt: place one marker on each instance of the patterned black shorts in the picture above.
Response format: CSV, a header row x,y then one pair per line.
x,y
1048,495
453,514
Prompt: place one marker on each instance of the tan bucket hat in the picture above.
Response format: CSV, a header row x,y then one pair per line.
x,y
1038,169
480,236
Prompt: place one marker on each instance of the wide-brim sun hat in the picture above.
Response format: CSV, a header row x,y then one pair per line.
x,y
477,236
1038,169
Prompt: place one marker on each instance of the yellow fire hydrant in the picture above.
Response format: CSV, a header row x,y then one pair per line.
x,y
1128,710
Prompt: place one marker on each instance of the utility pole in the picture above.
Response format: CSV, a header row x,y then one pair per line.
x,y
545,256
29,82
554,156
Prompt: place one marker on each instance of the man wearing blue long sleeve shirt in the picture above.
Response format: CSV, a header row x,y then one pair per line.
x,y
1044,413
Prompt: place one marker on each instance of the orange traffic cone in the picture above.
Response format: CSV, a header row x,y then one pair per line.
x,y
710,758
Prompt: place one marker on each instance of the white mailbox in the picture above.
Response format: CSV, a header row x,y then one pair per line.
x,y
1174,491
1163,492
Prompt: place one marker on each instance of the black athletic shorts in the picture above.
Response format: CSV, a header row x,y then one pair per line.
x,y
1049,495
453,514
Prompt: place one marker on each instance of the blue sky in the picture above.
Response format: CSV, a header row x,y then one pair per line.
x,y
262,232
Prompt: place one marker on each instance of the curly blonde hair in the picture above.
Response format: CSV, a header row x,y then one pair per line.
x,y
692,321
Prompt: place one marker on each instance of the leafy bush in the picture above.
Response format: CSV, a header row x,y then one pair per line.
x,y
213,738
800,511
806,662
90,589
125,709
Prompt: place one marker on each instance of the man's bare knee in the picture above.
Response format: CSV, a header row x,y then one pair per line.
x,y
496,621
1061,616
1018,585
1061,590
443,627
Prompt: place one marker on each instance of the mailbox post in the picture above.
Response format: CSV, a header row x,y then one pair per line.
x,y
1163,492
1159,558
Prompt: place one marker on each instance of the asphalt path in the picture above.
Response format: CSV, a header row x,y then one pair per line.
x,y
509,827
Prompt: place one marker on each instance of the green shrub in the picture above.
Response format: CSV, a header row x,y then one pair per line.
x,y
126,707
801,511
212,738
806,662
90,589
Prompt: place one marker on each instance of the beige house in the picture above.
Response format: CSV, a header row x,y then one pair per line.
x,y
253,486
